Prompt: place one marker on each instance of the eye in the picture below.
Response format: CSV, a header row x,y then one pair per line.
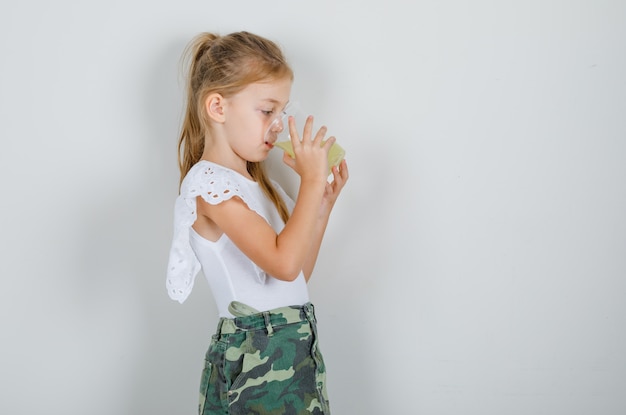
x,y
267,112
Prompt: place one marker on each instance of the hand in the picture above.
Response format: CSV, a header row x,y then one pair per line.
x,y
311,157
340,177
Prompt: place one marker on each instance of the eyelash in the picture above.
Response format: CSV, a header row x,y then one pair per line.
x,y
270,112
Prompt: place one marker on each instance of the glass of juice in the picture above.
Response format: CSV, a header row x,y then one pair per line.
x,y
283,140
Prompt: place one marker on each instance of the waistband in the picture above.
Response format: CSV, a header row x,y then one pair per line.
x,y
251,319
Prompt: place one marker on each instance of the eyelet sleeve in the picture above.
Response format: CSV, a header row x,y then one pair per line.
x,y
215,185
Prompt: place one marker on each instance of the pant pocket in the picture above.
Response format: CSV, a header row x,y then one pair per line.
x,y
320,381
204,385
211,387
253,368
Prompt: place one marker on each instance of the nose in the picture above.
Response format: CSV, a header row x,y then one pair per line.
x,y
277,125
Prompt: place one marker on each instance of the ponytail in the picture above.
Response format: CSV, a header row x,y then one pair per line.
x,y
191,140
257,171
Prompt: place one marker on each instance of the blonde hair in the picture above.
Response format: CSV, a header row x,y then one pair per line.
x,y
226,65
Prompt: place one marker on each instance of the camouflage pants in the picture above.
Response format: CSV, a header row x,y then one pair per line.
x,y
265,363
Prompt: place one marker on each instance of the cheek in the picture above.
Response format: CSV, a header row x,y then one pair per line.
x,y
252,129
258,126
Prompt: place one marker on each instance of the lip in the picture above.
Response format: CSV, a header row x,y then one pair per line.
x,y
270,139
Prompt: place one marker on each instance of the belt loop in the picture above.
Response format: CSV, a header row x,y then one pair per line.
x,y
310,312
218,333
268,323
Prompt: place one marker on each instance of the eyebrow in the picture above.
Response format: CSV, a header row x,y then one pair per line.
x,y
274,101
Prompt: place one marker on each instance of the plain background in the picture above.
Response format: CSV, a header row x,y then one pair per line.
x,y
475,263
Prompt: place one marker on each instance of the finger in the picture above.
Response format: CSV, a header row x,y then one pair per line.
x,y
340,174
293,130
308,127
329,143
333,191
333,182
329,189
338,179
343,170
289,161
319,137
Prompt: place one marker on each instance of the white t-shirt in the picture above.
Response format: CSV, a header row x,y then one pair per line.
x,y
231,275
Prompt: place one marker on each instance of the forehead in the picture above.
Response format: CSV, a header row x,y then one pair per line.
x,y
276,91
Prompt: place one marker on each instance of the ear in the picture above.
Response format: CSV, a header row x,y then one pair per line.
x,y
214,106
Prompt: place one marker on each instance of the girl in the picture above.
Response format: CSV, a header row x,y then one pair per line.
x,y
256,247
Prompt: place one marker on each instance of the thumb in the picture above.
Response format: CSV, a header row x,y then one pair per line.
x,y
291,162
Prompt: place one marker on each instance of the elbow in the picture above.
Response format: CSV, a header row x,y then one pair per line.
x,y
287,272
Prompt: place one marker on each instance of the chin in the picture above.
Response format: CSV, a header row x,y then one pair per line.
x,y
259,158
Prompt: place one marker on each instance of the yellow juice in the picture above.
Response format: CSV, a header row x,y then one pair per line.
x,y
335,154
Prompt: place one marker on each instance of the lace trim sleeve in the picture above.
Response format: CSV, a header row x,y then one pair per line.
x,y
214,184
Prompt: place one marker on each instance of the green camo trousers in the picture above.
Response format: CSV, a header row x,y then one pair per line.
x,y
265,363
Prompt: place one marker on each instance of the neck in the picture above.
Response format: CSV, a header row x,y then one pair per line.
x,y
227,159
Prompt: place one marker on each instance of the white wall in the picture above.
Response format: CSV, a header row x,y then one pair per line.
x,y
475,264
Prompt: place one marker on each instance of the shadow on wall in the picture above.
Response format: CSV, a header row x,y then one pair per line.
x,y
350,271
125,251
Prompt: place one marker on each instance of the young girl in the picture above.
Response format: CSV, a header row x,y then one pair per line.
x,y
256,247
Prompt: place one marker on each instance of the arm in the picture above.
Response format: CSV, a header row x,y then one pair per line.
x,y
340,176
280,255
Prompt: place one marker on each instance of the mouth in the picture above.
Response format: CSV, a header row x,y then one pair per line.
x,y
270,139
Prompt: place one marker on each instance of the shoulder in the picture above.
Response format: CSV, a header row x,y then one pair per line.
x,y
211,181
204,173
216,184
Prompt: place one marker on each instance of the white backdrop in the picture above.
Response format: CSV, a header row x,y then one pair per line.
x,y
475,263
